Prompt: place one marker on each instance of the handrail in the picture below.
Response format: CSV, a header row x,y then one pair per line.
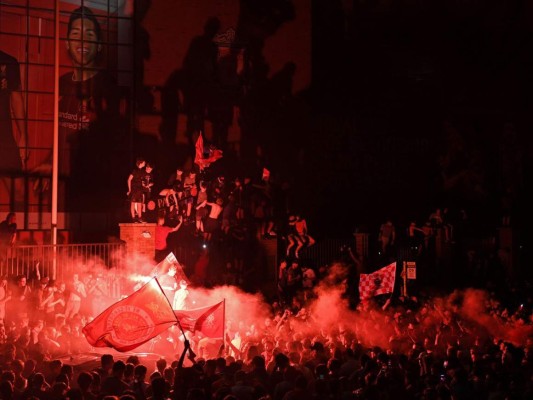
x,y
37,260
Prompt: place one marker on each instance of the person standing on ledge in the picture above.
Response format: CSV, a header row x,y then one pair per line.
x,y
136,190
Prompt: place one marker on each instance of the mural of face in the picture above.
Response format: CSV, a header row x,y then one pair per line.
x,y
82,43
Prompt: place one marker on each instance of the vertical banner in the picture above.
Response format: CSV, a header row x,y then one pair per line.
x,y
96,47
92,130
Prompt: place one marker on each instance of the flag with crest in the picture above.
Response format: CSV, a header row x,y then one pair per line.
x,y
209,321
133,320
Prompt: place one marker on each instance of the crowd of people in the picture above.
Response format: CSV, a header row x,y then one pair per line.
x,y
210,203
214,213
470,344
315,340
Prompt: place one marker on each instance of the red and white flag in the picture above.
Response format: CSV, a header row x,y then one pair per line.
x,y
133,320
209,321
379,282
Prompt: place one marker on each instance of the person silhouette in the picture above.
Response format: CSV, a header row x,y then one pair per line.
x,y
136,191
91,133
13,152
199,71
8,236
387,236
181,296
13,149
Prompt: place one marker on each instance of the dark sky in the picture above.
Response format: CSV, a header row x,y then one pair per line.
x,y
415,106
412,106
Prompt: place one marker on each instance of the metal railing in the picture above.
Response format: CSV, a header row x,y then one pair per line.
x,y
59,261
327,250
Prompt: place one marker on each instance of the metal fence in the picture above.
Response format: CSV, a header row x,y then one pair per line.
x,y
59,261
326,250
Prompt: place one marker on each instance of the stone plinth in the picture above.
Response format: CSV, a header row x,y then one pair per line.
x,y
139,238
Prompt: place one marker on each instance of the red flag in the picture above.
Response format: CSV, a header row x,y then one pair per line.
x,y
207,320
204,162
379,282
266,174
214,154
163,267
199,150
132,321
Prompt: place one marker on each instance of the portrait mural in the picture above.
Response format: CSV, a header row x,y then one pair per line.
x,y
95,86
231,74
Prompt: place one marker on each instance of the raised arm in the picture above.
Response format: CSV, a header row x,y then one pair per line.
x,y
178,226
187,345
130,178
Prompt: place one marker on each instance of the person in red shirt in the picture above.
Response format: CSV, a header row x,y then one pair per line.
x,y
161,234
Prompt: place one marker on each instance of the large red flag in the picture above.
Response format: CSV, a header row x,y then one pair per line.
x,y
133,320
209,321
379,282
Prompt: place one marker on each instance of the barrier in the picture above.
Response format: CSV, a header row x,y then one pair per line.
x,y
59,261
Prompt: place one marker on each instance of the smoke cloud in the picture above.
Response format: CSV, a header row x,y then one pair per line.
x,y
327,312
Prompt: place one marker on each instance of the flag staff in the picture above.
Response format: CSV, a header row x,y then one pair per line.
x,y
175,316
224,329
404,277
55,148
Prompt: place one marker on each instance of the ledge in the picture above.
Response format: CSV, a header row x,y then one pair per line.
x,y
133,224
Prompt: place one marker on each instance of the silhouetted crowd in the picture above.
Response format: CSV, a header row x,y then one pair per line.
x,y
471,344
314,340
227,217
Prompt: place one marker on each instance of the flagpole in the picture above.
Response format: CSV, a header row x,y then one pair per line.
x,y
55,148
404,278
181,329
224,329
177,319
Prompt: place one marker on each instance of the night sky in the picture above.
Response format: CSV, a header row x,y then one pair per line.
x,y
413,106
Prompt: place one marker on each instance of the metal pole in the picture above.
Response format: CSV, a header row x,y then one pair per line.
x,y
404,276
55,154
